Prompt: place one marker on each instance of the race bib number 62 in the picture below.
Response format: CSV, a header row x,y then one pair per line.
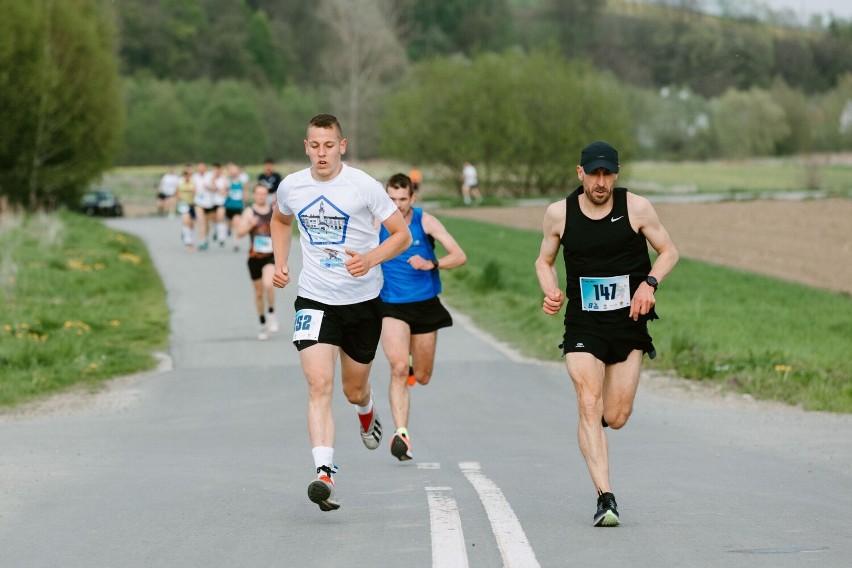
x,y
605,294
306,326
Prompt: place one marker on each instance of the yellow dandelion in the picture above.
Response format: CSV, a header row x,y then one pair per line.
x,y
77,264
79,326
7,328
99,266
114,323
783,368
119,237
130,257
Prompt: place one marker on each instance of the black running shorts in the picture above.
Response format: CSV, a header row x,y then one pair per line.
x,y
422,317
256,264
355,328
610,346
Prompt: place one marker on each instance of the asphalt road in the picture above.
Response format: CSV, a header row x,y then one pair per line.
x,y
207,463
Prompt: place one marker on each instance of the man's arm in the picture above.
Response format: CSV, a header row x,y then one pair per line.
x,y
245,222
281,227
455,256
400,239
545,264
644,216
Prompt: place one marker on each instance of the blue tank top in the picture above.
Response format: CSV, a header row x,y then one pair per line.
x,y
402,283
235,195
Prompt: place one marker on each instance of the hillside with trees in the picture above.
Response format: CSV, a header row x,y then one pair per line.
x,y
220,80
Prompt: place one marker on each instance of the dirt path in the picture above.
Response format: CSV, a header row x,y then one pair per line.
x,y
803,241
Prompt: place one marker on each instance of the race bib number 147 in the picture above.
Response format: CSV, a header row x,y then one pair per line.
x,y
605,294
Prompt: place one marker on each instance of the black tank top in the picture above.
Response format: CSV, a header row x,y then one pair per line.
x,y
602,248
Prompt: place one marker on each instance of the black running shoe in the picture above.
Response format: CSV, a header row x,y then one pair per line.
x,y
401,447
607,515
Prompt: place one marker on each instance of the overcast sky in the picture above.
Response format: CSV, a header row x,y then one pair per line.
x,y
840,8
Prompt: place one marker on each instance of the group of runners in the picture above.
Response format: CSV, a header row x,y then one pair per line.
x,y
370,275
208,199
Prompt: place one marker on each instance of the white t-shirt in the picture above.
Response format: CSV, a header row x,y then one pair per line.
x,y
336,215
203,189
219,188
169,183
469,173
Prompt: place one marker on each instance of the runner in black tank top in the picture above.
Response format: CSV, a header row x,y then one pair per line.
x,y
255,221
602,248
604,232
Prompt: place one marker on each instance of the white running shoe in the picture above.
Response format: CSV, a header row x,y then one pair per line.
x,y
372,436
263,334
272,323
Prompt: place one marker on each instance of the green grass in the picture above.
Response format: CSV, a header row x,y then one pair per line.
x,y
80,304
753,334
753,176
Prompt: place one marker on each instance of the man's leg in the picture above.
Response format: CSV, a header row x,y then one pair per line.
x,y
587,373
396,343
268,271
619,389
263,329
423,353
318,362
356,387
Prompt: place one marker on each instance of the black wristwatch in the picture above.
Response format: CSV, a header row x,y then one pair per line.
x,y
652,282
434,265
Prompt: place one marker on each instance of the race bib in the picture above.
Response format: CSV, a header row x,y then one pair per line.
x,y
236,194
182,208
307,325
204,200
605,294
262,243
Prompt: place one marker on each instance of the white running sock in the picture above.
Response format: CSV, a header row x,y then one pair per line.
x,y
323,455
366,409
187,235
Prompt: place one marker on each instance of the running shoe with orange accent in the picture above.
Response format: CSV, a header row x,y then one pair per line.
x,y
401,447
411,379
321,490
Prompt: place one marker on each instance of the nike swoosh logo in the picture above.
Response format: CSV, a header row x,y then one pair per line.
x,y
614,219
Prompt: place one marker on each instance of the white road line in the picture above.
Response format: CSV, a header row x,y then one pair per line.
x,y
428,465
448,549
511,540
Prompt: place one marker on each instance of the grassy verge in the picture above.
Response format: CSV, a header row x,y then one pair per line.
x,y
80,304
773,339
767,175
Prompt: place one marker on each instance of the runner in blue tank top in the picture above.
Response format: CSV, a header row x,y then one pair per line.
x,y
604,232
413,314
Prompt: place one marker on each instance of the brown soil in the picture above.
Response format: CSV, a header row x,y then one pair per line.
x,y
803,241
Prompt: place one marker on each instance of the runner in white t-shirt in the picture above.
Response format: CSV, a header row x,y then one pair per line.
x,y
338,308
205,207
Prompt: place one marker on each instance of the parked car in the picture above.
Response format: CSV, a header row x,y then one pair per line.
x,y
101,202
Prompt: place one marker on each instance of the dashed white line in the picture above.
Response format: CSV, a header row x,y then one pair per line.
x,y
448,549
511,540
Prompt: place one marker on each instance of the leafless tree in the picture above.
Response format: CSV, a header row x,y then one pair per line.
x,y
365,55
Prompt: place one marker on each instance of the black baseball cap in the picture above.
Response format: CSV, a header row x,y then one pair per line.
x,y
599,155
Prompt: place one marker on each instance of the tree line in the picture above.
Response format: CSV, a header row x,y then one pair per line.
x,y
88,83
